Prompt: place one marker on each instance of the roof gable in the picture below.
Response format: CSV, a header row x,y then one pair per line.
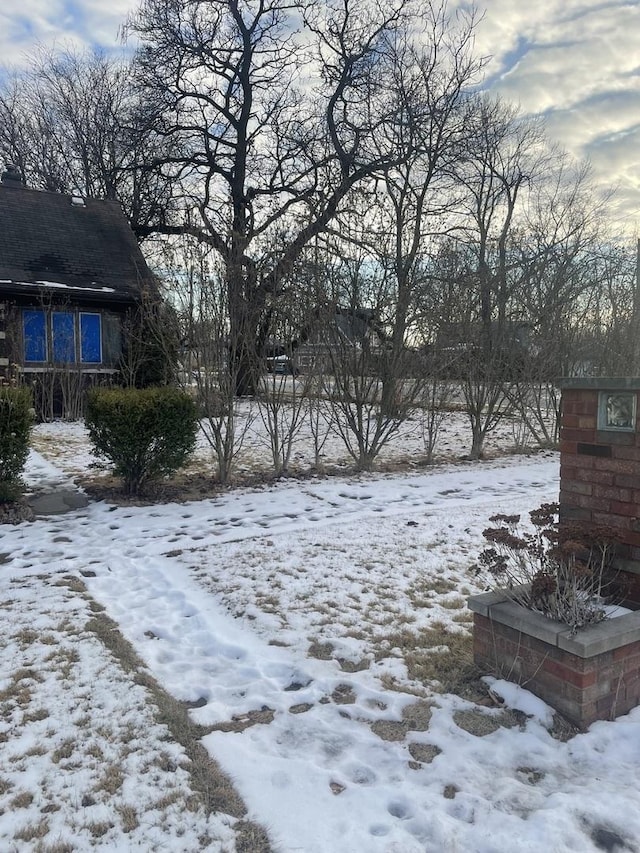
x,y
55,242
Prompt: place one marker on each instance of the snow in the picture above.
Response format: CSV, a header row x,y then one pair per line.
x,y
59,286
225,600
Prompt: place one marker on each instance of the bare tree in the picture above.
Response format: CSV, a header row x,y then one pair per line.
x,y
194,277
560,257
505,156
278,111
72,123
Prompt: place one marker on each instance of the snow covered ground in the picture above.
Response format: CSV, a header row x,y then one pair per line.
x,y
296,621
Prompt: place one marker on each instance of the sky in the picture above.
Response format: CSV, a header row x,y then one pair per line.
x,y
575,61
268,611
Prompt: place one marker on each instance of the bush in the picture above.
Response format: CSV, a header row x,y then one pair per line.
x,y
561,569
146,433
16,416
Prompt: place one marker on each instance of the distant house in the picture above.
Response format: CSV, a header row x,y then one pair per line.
x,y
70,269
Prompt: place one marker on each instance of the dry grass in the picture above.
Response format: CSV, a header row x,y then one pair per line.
x,y
111,781
99,828
32,831
129,818
456,603
22,800
56,847
251,838
65,750
434,655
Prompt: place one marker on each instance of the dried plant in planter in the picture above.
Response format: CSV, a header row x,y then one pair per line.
x,y
560,569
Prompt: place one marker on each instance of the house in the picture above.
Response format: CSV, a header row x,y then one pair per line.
x,y
70,270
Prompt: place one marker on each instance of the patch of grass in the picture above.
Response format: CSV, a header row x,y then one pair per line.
x,y
66,626
72,583
435,654
251,838
465,618
17,694
65,750
35,751
424,752
481,724
269,603
65,670
129,818
456,603
56,847
111,781
94,751
26,637
423,592
531,775
35,716
22,800
415,718
27,674
167,800
99,828
321,651
32,831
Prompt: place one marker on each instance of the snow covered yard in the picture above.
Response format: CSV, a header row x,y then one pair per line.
x,y
316,633
84,761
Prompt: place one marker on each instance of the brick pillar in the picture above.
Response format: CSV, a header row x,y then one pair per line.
x,y
600,461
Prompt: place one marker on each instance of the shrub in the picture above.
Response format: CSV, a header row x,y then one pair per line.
x,y
16,416
562,570
145,433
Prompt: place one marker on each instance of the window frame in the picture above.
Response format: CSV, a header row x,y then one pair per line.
x,y
51,333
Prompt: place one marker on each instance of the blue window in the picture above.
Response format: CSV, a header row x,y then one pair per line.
x,y
35,336
90,339
63,337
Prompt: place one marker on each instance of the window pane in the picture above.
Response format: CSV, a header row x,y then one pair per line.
x,y
35,336
111,339
64,342
90,345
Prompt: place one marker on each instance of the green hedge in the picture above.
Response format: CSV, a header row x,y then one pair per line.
x,y
145,433
16,417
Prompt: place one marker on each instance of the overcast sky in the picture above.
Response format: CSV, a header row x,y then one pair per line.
x,y
575,61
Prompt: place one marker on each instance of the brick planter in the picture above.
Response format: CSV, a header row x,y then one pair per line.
x,y
592,675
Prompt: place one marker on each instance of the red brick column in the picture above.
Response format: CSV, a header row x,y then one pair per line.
x,y
600,468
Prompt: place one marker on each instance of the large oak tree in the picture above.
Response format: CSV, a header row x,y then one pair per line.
x,y
274,112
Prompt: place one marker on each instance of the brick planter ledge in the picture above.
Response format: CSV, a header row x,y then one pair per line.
x,y
591,675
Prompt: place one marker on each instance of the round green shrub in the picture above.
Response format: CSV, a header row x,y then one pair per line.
x,y
16,417
146,433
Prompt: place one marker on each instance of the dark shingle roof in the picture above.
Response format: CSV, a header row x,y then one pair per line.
x,y
45,237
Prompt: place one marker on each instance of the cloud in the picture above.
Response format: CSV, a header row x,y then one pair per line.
x,y
576,62
26,23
